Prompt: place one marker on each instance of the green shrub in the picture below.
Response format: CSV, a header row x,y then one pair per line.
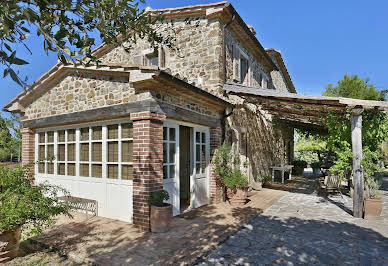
x,y
157,198
316,165
299,163
227,167
24,204
266,178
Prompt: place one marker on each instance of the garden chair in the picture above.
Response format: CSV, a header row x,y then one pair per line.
x,y
330,184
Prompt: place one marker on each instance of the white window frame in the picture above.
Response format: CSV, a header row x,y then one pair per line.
x,y
77,143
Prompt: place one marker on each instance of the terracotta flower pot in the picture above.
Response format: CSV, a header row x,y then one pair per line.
x,y
238,196
373,207
161,218
9,244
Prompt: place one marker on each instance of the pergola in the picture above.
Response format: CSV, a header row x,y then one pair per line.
x,y
306,112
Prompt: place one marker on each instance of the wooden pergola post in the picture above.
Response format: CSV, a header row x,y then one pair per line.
x,y
358,178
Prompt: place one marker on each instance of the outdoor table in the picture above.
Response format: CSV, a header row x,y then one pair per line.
x,y
282,168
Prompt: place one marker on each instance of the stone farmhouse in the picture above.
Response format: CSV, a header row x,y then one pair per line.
x,y
148,118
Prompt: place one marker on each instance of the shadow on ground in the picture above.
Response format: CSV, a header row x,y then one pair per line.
x,y
289,241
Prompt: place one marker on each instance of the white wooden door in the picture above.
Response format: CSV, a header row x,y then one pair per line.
x,y
171,164
200,181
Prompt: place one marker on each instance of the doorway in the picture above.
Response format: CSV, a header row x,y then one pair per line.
x,y
185,166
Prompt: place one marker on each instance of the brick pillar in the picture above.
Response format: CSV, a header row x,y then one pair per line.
x,y
28,149
216,188
147,163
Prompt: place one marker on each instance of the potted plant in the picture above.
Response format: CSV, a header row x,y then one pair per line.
x,y
161,212
299,166
266,180
316,168
25,207
373,203
236,183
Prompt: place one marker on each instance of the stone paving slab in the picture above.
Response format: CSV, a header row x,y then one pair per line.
x,y
108,242
306,229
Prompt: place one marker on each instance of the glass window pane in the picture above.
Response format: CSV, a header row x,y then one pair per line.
x,y
97,170
61,169
165,152
127,172
164,133
84,134
41,153
41,168
113,151
113,131
197,152
165,171
61,152
197,137
61,136
50,168
71,135
203,137
71,169
97,152
84,152
172,153
172,171
50,152
126,151
126,131
84,170
71,152
41,138
172,134
97,133
113,171
50,136
197,168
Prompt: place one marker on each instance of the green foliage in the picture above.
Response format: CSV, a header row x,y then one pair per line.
x,y
354,87
299,163
10,138
24,204
374,128
265,178
228,167
316,164
157,198
68,28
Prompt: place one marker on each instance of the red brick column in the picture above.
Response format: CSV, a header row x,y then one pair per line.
x,y
216,188
28,148
147,163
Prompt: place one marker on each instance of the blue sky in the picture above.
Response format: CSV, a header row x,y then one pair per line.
x,y
320,40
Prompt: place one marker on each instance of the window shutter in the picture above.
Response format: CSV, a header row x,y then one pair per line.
x,y
162,57
236,63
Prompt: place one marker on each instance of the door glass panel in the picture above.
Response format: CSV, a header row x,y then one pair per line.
x,y
71,152
84,170
84,154
113,151
71,135
172,134
203,158
164,133
203,137
41,168
197,137
42,150
61,152
113,171
113,131
126,151
97,133
97,152
127,172
50,136
165,152
50,152
61,169
172,171
61,136
84,134
165,171
41,138
197,153
172,153
197,168
126,131
71,169
50,168
97,170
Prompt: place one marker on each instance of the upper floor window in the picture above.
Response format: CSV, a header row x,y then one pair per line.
x,y
241,71
154,57
244,67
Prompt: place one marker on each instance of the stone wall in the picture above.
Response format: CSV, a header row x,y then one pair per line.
x,y
80,92
278,79
196,56
257,69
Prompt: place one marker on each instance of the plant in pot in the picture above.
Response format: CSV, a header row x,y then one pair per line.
x,y
373,203
25,207
236,183
299,166
161,212
266,180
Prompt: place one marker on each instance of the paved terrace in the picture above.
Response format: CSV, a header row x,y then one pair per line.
x,y
303,228
107,242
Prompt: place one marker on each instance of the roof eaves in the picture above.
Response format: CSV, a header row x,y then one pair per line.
x,y
284,68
